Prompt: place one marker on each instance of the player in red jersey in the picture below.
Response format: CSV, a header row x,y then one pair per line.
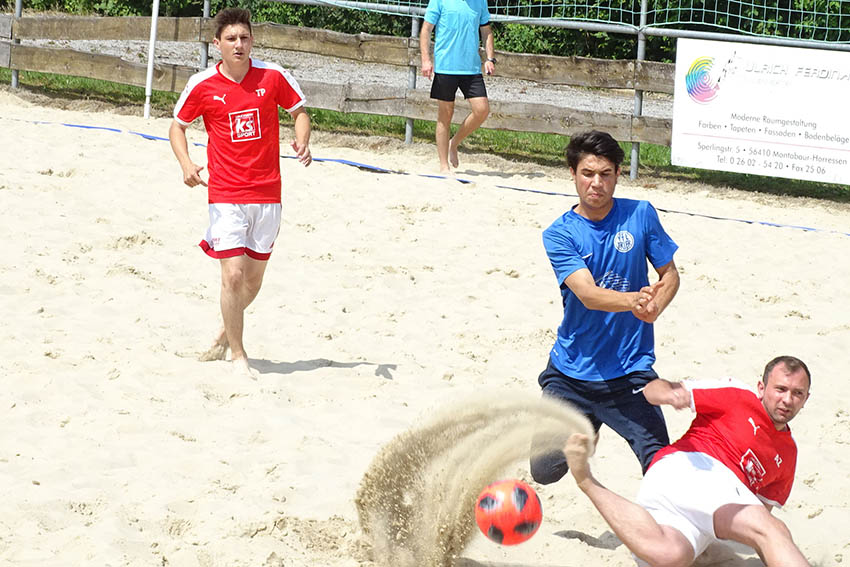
x,y
720,480
238,100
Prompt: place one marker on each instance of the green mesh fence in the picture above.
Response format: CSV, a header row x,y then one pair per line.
x,y
813,20
826,21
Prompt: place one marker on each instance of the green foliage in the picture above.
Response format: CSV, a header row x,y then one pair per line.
x,y
818,20
114,7
346,20
109,7
518,38
75,88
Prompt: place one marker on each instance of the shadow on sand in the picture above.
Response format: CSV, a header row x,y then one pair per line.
x,y
269,367
718,554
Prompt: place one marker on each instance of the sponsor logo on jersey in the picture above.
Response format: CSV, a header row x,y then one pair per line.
x,y
624,241
755,427
261,92
245,125
220,98
753,469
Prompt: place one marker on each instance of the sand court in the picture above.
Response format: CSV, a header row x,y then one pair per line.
x,y
387,297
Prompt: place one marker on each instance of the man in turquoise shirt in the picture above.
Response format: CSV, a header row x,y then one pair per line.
x,y
459,24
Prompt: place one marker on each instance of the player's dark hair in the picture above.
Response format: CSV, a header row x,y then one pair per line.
x,y
792,364
230,17
594,143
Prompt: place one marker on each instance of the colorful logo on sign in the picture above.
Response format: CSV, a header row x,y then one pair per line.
x,y
699,83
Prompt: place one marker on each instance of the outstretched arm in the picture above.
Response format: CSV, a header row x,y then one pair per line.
x,y
663,392
301,145
180,147
636,528
594,297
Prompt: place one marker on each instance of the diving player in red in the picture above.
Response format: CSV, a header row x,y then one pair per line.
x,y
238,100
720,480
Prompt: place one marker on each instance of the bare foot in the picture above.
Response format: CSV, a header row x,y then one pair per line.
x,y
242,368
218,350
453,159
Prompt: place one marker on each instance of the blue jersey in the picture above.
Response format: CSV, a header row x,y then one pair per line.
x,y
597,345
457,34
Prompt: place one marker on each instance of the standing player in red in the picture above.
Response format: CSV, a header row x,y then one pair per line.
x,y
720,480
238,99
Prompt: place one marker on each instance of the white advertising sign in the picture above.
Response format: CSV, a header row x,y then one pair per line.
x,y
777,111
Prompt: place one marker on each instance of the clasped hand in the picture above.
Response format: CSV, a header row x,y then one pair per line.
x,y
645,307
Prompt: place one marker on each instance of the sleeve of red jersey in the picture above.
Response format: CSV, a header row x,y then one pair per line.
x,y
188,106
712,396
289,94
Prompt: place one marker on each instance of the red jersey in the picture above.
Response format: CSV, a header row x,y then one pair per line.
x,y
241,119
733,427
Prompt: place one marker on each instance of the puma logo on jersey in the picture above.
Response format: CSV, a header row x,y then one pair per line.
x,y
221,98
261,92
778,460
755,427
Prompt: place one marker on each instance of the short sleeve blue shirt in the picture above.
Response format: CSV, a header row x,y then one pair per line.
x,y
457,34
597,345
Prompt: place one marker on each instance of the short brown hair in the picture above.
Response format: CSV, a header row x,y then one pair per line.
x,y
594,143
792,363
232,16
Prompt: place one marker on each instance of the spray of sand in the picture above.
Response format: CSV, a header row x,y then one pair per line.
x,y
416,500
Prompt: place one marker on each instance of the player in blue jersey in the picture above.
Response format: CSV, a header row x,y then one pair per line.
x,y
456,65
603,356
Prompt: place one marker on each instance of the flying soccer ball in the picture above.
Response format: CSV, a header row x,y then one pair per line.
x,y
508,512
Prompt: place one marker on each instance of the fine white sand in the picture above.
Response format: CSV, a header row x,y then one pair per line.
x,y
388,297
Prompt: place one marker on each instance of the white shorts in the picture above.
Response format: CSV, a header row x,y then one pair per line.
x,y
242,229
683,490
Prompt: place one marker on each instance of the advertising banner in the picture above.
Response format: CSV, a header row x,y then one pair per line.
x,y
768,110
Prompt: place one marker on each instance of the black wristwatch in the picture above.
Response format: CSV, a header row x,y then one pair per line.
x,y
492,60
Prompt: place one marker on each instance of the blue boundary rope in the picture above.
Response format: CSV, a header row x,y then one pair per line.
x,y
376,169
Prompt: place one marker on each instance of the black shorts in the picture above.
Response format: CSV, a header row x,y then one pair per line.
x,y
618,403
445,86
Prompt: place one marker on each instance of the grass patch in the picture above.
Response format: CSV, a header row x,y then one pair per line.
x,y
545,149
66,87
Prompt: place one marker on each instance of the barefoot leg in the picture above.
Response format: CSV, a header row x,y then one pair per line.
x,y
480,107
241,278
445,110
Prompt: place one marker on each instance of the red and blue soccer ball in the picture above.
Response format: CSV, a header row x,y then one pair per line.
x,y
508,512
